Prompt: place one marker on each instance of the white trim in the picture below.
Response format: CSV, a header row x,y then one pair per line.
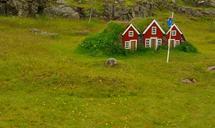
x,y
174,33
154,21
130,33
129,46
149,43
169,41
161,42
154,32
156,43
175,44
131,25
135,43
174,25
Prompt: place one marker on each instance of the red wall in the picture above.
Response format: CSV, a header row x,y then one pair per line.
x,y
177,37
148,34
127,38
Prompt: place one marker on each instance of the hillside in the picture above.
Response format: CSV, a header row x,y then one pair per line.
x,y
106,9
46,82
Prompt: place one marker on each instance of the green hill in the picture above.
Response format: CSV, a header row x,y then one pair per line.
x,y
45,82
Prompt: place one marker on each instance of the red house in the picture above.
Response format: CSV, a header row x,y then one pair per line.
x,y
177,37
153,35
130,38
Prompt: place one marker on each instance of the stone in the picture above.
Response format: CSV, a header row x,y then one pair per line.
x,y
205,3
43,33
115,10
62,11
111,62
22,7
35,30
189,81
211,68
60,2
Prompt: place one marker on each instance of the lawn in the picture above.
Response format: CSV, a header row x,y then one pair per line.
x,y
46,83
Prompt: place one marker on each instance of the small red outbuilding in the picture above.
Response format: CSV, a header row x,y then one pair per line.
x,y
177,37
130,38
153,35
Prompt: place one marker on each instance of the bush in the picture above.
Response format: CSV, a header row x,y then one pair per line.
x,y
187,47
107,42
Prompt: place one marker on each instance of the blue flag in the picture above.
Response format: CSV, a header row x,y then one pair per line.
x,y
170,22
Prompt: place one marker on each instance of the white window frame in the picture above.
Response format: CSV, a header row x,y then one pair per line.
x,y
161,42
177,42
173,33
129,45
130,33
149,43
154,30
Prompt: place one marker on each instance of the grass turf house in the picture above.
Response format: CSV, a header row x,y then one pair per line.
x,y
114,40
152,37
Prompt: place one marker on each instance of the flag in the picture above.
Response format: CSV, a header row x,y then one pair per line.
x,y
170,20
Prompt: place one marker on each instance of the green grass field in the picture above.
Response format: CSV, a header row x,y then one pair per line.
x,y
46,83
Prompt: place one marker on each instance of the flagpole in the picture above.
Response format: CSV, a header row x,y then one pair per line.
x,y
169,42
169,45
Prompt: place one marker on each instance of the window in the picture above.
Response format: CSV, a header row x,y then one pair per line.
x,y
147,43
154,30
159,42
177,42
127,45
174,33
131,33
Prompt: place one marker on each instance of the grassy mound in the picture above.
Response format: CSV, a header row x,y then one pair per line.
x,y
187,47
106,42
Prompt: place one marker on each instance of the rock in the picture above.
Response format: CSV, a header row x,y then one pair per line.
x,y
62,11
60,2
22,7
205,3
212,3
43,33
35,7
123,12
113,10
111,62
189,81
35,30
211,68
48,34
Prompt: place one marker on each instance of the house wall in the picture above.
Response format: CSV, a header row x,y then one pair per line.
x,y
148,34
127,38
177,37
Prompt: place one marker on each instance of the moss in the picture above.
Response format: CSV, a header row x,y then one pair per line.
x,y
106,42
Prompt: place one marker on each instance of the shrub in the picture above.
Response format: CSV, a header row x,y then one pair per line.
x,y
106,42
186,47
